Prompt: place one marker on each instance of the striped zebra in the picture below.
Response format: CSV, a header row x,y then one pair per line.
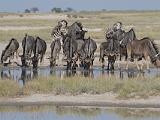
x,y
60,31
117,26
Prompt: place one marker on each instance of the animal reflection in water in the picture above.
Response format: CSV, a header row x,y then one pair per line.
x,y
23,75
71,73
6,74
28,74
120,74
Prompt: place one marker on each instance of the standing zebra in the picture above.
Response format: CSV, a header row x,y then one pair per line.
x,y
117,26
59,32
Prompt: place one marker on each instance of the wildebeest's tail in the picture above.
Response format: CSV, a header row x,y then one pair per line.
x,y
153,50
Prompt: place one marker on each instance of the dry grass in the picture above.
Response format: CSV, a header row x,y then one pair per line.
x,y
146,23
130,88
8,88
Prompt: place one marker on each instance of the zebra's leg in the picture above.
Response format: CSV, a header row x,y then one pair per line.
x,y
60,55
127,64
147,62
16,54
118,63
137,64
141,67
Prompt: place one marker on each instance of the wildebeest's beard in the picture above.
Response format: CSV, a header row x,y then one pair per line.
x,y
80,34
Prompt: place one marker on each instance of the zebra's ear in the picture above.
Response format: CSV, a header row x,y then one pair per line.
x,y
25,34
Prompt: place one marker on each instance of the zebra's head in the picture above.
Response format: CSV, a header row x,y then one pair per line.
x,y
63,23
117,26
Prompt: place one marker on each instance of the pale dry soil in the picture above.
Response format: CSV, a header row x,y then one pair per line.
x,y
102,100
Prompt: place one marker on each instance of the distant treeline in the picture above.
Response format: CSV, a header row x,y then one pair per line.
x,y
55,10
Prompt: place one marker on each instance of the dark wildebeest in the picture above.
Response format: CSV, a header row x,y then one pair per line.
x,y
109,49
117,36
87,53
113,48
143,48
39,51
114,37
28,45
55,50
130,35
10,50
73,43
105,51
70,50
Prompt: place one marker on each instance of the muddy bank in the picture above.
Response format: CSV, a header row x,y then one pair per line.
x,y
103,100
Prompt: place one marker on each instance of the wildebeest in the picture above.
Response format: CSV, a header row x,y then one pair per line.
x,y
130,35
10,50
72,43
69,49
55,51
143,48
39,51
87,53
75,30
105,51
113,47
28,45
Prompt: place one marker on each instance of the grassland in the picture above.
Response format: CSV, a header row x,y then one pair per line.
x,y
130,88
145,23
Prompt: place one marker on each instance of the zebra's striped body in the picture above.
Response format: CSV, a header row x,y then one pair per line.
x,y
59,31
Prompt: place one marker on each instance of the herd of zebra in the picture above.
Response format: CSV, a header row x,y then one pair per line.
x,y
79,51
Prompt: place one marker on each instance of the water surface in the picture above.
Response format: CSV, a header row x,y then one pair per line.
x,y
22,75
75,113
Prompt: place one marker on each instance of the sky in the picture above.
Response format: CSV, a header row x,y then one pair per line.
x,y
47,5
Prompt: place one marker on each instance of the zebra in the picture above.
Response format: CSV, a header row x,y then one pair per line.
x,y
60,31
117,26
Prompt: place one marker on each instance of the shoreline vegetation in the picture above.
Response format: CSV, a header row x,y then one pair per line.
x,y
139,87
81,91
